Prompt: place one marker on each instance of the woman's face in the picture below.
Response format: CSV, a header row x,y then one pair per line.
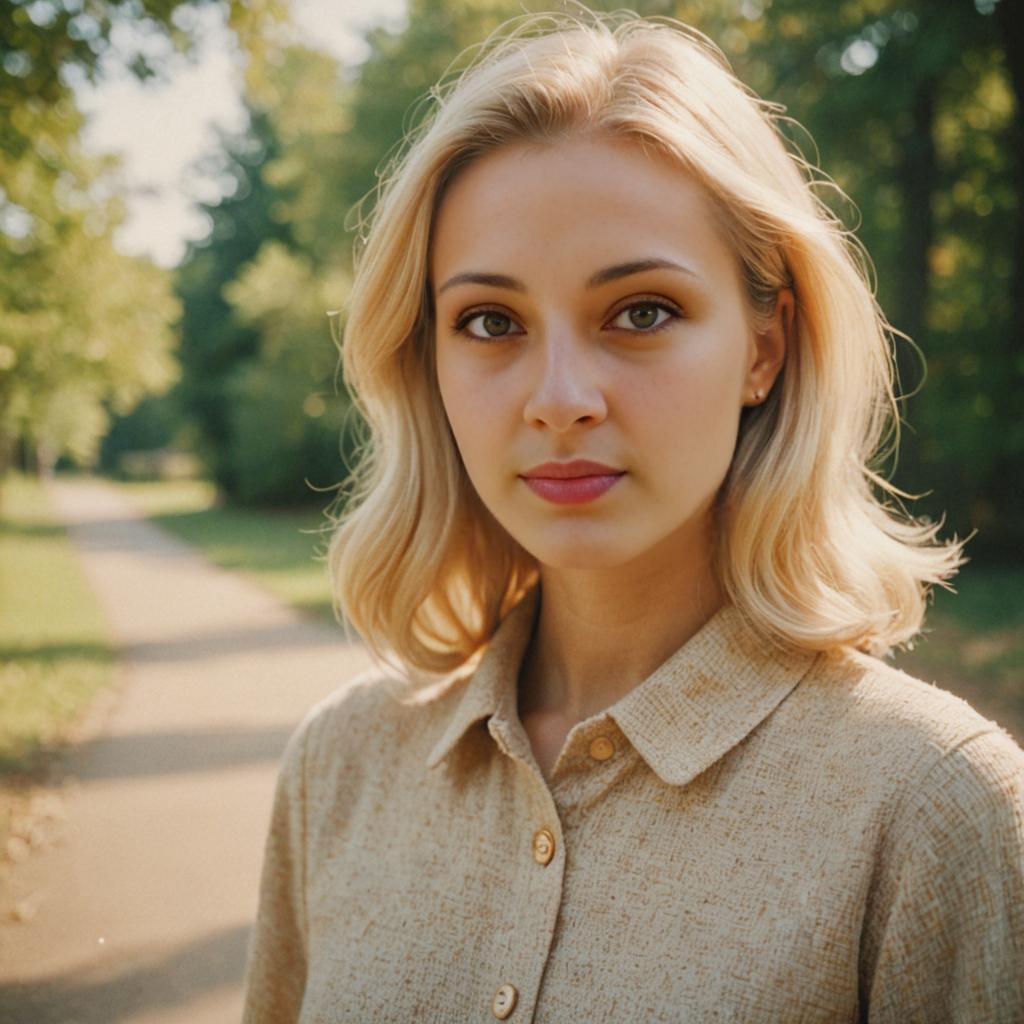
x,y
558,338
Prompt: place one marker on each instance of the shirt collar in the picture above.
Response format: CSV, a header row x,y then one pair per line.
x,y
695,707
708,696
493,686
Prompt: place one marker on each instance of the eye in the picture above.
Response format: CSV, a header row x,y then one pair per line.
x,y
642,316
495,325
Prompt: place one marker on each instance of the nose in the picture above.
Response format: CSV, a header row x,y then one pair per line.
x,y
565,390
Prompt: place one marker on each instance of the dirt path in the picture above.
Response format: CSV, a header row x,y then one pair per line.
x,y
138,911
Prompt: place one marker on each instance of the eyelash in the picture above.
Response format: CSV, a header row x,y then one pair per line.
x,y
459,326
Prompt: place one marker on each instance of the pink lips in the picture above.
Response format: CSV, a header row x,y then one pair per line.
x,y
571,483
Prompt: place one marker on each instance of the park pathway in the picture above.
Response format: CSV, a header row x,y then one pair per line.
x,y
139,911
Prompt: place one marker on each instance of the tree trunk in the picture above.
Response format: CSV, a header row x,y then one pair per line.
x,y
918,174
917,178
1010,18
1007,488
6,454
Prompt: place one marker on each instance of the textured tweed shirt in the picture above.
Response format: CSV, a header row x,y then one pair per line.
x,y
746,836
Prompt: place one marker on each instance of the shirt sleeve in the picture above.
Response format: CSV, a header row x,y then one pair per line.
x,y
275,976
944,934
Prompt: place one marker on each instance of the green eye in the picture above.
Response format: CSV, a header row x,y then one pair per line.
x,y
643,315
496,324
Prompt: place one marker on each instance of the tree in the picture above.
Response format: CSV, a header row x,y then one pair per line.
x,y
256,349
82,327
80,324
214,342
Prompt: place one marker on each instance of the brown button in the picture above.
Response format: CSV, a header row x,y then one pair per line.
x,y
601,748
543,846
504,1001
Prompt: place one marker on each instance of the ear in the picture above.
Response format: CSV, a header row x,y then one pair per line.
x,y
770,346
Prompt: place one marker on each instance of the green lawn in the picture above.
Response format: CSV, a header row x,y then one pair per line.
x,y
974,643
282,550
55,652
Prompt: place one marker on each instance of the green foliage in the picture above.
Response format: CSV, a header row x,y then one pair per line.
x,y
84,330
259,358
49,43
81,325
156,422
214,343
286,422
260,364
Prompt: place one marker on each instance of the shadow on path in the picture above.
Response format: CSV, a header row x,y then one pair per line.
x,y
56,652
193,646
30,529
101,994
173,753
132,533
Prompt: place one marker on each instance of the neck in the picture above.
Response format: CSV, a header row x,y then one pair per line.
x,y
601,632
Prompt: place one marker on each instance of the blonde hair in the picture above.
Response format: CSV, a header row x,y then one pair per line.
x,y
804,549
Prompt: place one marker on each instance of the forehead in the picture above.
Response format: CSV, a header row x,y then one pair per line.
x,y
578,196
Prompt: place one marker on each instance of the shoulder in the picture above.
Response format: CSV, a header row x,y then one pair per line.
x,y
363,748
873,698
944,912
373,712
886,730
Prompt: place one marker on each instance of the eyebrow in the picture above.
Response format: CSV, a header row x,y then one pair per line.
x,y
612,273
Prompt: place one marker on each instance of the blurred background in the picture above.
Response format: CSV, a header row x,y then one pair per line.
x,y
178,183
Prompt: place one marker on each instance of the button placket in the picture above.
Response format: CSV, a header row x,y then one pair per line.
x,y
538,895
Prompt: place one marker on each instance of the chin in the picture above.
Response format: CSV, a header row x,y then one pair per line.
x,y
580,563
576,549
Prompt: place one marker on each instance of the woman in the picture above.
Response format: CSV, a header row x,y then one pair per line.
x,y
637,757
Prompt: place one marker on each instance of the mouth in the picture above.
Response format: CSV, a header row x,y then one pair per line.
x,y
572,483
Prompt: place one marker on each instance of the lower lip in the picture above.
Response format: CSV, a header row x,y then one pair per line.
x,y
575,491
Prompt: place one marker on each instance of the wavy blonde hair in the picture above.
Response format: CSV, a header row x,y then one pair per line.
x,y
804,549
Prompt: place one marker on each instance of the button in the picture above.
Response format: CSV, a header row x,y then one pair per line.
x,y
601,748
504,1001
543,846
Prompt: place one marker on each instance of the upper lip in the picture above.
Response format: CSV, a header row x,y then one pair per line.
x,y
568,470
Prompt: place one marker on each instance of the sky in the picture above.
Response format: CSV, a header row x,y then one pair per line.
x,y
161,128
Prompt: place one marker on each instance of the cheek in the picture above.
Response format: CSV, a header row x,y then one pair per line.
x,y
686,416
474,416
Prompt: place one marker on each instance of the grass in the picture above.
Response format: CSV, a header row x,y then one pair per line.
x,y
281,550
973,644
55,651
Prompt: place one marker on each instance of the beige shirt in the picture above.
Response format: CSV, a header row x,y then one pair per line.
x,y
744,837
